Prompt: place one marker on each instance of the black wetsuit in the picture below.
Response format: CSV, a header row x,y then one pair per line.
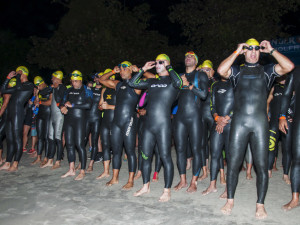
x,y
293,84
43,121
162,92
222,102
56,123
274,110
75,121
251,84
109,96
20,94
93,121
2,127
207,123
187,121
124,126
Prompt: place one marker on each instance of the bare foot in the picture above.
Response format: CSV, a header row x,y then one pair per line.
x,y
78,167
192,188
210,190
155,177
89,169
204,176
249,176
144,190
48,164
188,164
45,160
274,168
270,173
80,176
38,160
243,168
34,155
127,186
12,168
180,185
227,208
260,211
112,182
222,180
292,204
224,195
166,196
103,175
56,165
5,166
138,175
286,179
69,173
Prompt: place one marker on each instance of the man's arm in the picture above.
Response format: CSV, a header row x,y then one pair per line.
x,y
202,89
176,79
104,79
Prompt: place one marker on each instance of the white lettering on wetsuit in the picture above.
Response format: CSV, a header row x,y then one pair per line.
x,y
129,126
159,85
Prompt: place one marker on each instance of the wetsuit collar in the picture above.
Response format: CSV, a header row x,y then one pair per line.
x,y
251,64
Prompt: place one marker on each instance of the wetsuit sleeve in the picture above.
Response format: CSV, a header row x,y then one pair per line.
x,y
287,94
176,79
213,99
291,109
234,76
202,89
66,97
6,90
137,82
270,74
60,95
88,100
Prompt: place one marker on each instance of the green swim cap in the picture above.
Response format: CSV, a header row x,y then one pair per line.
x,y
38,80
12,82
163,57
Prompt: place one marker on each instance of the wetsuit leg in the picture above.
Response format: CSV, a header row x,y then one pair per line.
x,y
195,144
216,146
95,137
129,138
259,144
40,128
158,162
287,149
117,146
10,141
105,140
17,126
140,132
147,153
58,127
2,131
181,138
51,141
163,137
189,153
79,136
248,157
70,142
295,170
273,144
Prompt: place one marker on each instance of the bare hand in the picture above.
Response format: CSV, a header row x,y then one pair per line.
x,y
240,49
68,104
117,69
219,129
64,110
134,68
283,126
104,105
222,121
12,74
267,47
184,80
100,107
142,112
148,66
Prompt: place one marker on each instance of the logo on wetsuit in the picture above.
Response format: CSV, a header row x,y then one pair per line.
x,y
108,96
97,94
74,93
129,126
159,85
222,91
277,94
123,87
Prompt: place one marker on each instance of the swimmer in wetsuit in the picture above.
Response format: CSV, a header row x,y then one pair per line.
x,y
3,116
43,118
124,123
56,121
76,101
187,121
162,93
222,101
292,84
251,83
107,106
20,94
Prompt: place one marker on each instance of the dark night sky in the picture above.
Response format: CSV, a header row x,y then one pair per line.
x,y
41,18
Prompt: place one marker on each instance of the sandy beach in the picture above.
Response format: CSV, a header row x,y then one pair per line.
x,y
39,196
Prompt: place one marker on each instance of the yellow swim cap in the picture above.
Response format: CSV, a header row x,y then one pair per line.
x,y
107,71
23,69
252,41
100,74
76,75
38,80
163,57
58,74
207,63
127,63
192,53
12,82
113,77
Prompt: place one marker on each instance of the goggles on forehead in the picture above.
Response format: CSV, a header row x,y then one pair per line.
x,y
123,66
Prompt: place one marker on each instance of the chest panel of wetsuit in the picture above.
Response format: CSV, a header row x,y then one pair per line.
x,y
206,103
187,104
126,101
250,92
161,96
94,112
44,95
296,88
276,101
109,96
223,97
58,93
77,96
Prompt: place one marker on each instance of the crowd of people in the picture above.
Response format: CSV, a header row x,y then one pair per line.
x,y
242,110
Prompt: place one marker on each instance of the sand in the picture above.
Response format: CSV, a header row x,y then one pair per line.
x,y
39,196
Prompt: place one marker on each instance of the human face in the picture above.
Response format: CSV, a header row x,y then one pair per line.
x,y
55,81
190,60
77,84
125,72
160,66
252,56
